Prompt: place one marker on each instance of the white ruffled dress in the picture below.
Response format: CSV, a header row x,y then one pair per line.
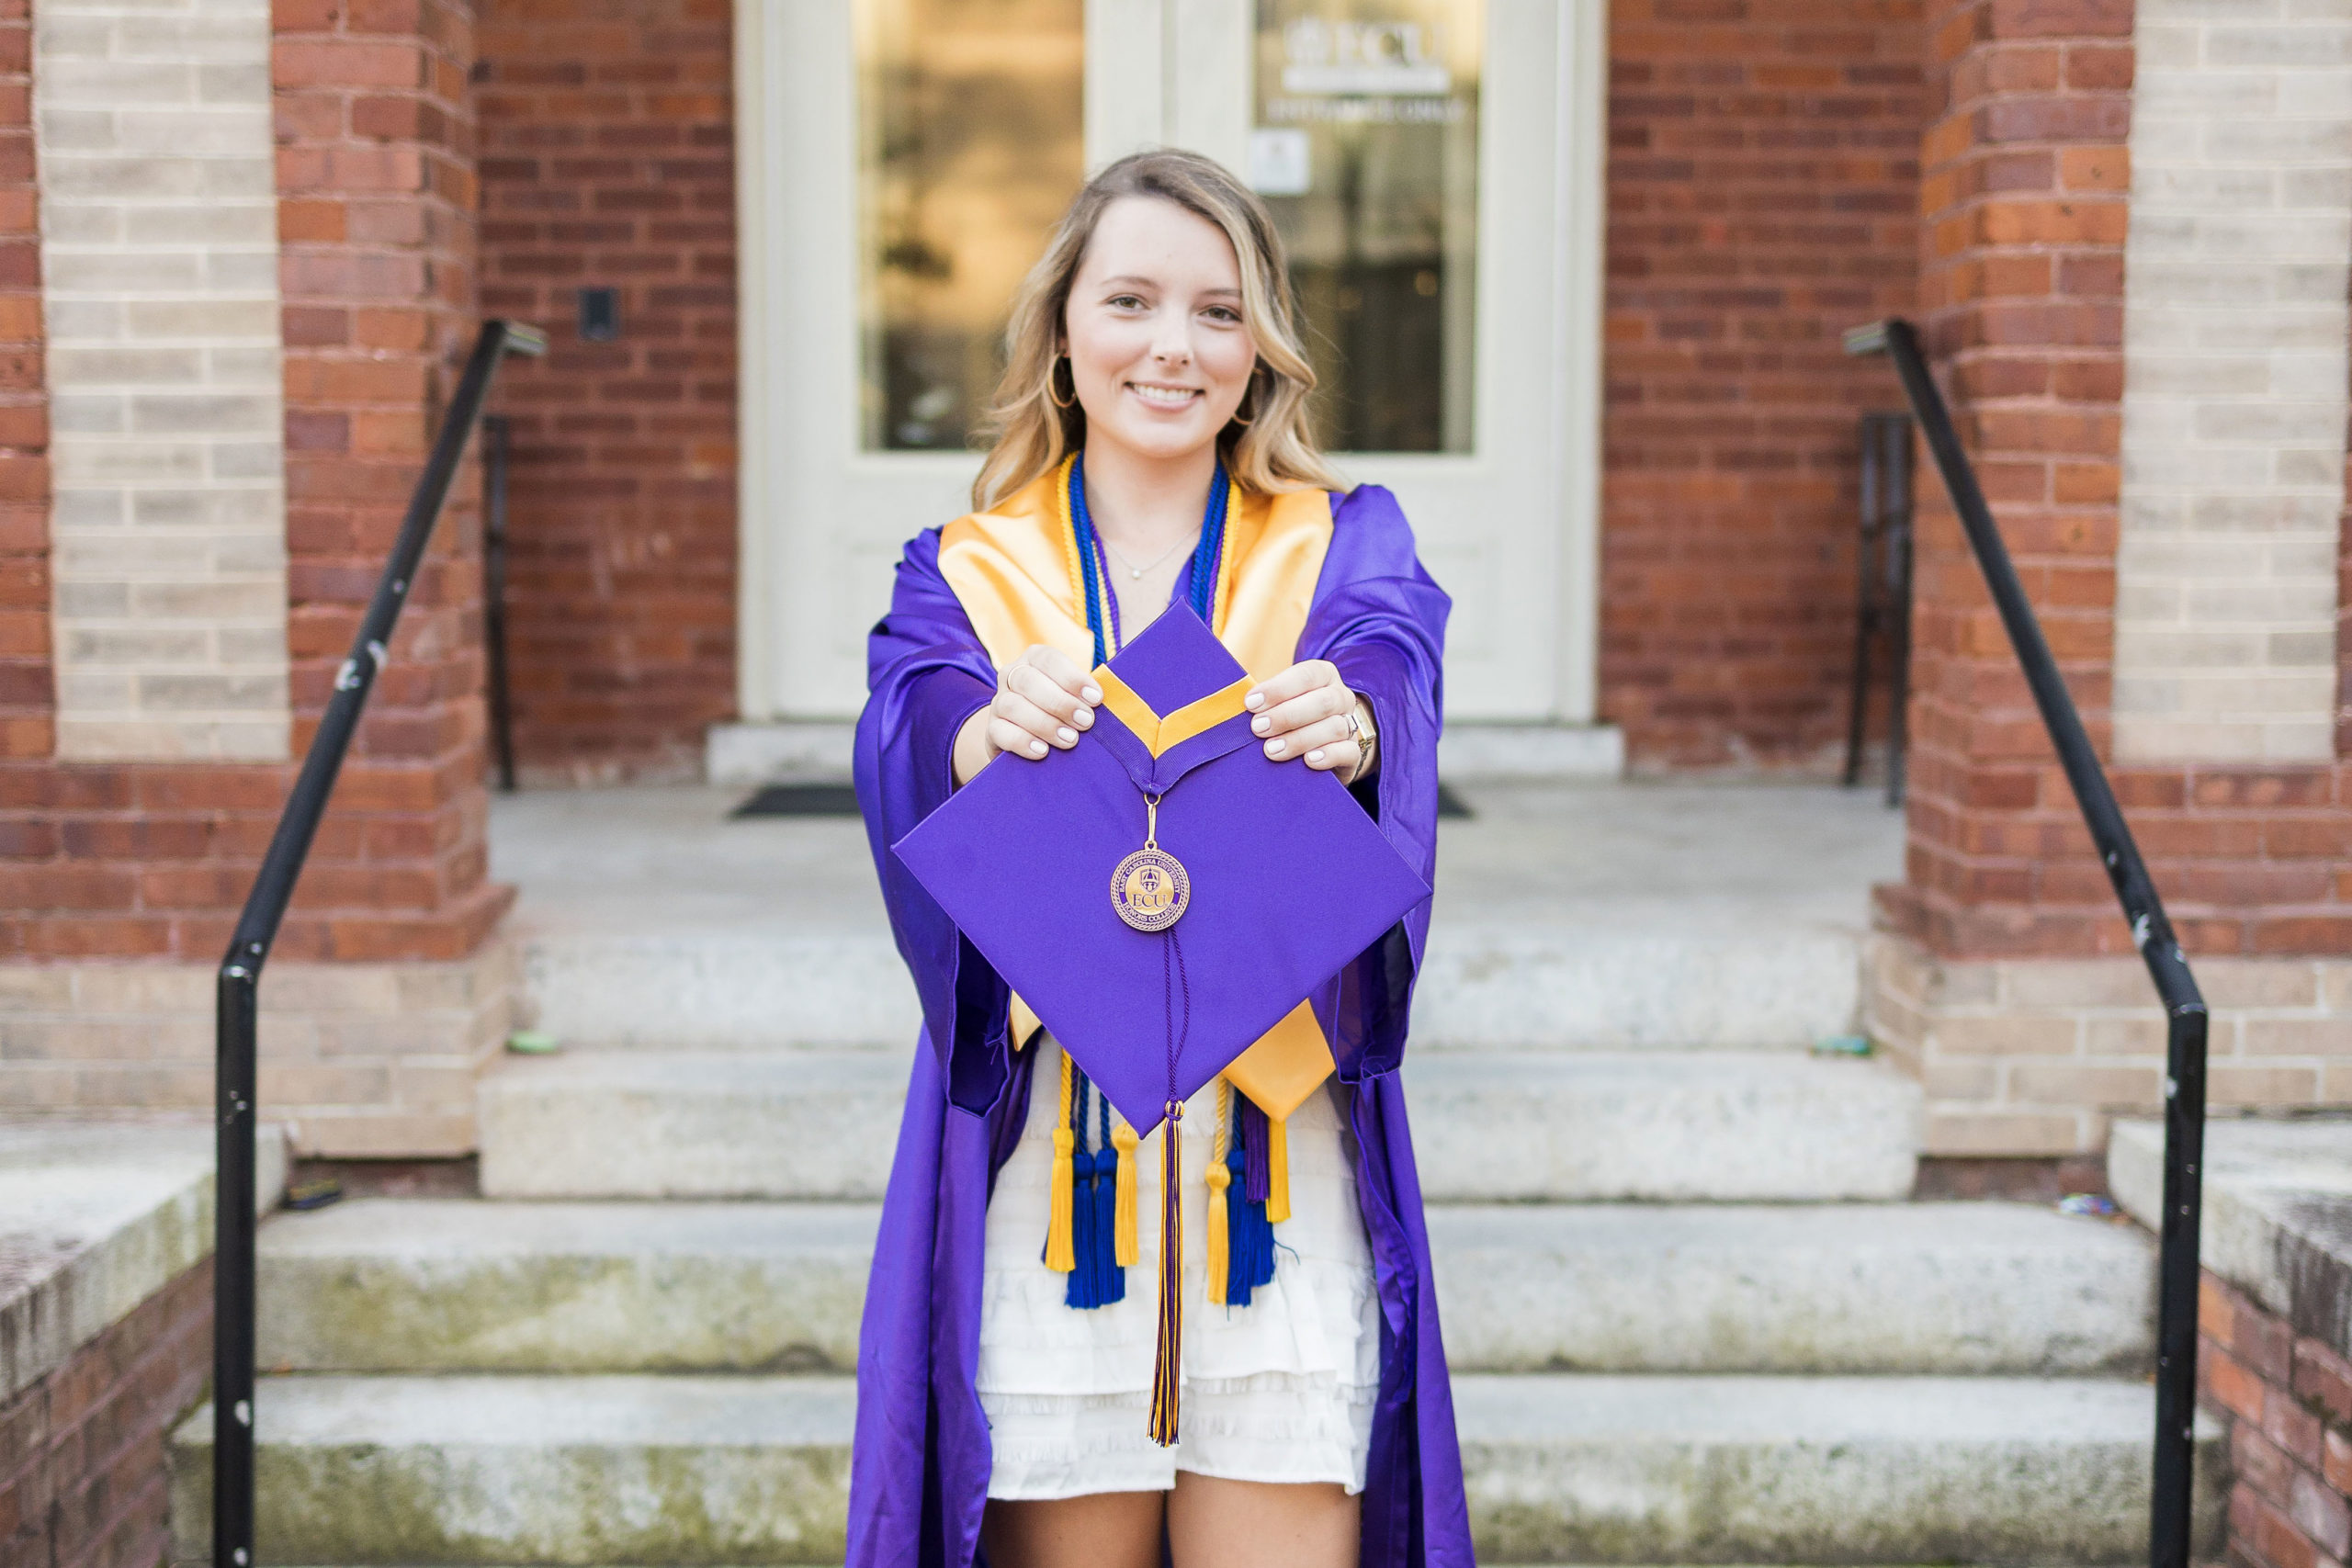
x,y
1279,1391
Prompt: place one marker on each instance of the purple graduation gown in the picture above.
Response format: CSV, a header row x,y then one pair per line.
x,y
920,1465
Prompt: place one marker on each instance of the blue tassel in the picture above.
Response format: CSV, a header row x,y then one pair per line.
x,y
1104,1201
1250,1240
1085,1289
1097,1280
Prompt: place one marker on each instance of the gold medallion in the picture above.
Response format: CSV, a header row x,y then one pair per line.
x,y
1149,890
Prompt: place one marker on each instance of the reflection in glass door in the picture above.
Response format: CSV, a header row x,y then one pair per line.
x,y
971,128
1365,146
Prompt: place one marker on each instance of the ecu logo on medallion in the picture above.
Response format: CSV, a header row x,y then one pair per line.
x,y
1150,890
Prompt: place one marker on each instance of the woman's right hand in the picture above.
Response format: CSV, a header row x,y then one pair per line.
x,y
1043,702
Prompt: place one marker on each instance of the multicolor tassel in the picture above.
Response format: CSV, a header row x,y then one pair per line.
x,y
1167,1370
1061,1255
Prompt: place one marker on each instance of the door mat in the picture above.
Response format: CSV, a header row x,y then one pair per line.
x,y
800,800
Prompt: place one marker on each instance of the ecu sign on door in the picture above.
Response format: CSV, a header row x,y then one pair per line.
x,y
1430,166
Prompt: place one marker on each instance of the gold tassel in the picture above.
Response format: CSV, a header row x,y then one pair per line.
x,y
1061,1253
1126,1229
1277,1171
1219,1178
1167,1365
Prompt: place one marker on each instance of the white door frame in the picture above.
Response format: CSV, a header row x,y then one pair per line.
x,y
809,230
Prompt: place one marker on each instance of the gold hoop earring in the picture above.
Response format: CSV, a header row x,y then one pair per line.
x,y
1059,361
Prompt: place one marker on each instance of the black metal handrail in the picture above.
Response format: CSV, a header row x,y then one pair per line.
x,y
2177,1269
237,997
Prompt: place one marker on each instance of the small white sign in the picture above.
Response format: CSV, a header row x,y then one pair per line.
x,y
1279,163
1362,58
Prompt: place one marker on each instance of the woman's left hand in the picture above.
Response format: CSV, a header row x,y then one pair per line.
x,y
1302,712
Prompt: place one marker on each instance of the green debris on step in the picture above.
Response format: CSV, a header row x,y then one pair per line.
x,y
532,1043
1843,1045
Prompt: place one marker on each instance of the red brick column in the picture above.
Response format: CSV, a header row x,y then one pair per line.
x,y
2025,200
27,727
151,860
608,161
2024,203
376,182
1763,196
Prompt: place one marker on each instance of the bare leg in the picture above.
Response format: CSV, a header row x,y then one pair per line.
x,y
1215,1523
1109,1529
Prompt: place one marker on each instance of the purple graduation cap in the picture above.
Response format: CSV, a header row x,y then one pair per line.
x,y
1161,895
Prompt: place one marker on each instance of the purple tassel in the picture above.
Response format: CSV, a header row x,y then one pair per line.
x,y
1253,1138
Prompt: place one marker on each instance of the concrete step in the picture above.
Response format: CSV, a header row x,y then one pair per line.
x,y
1690,1126
1556,985
462,1286
1585,1469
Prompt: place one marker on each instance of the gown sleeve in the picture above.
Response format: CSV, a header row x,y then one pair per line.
x,y
1380,618
926,673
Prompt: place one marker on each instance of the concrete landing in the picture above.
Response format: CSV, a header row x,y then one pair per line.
x,y
1604,917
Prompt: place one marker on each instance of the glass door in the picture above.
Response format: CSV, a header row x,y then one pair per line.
x,y
903,161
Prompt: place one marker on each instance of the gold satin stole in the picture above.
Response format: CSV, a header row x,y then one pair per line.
x,y
1014,569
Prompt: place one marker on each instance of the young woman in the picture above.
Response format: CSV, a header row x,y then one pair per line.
x,y
1155,390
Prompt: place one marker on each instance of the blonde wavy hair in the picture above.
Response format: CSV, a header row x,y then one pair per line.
x,y
1268,446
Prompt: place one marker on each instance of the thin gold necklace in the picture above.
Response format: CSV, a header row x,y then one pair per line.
x,y
1134,570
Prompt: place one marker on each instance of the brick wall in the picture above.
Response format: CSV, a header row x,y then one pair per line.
x,y
607,161
2286,1400
1763,172
2034,1056
83,1478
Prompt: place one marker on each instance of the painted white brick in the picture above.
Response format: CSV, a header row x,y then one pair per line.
x,y
160,258
2234,401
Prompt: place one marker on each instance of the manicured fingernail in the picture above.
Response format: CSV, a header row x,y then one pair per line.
x,y
1084,717
1091,694
1259,723
1273,748
1314,756
1069,736
1254,700
1036,747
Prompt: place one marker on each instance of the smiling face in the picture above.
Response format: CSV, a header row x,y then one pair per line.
x,y
1157,345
